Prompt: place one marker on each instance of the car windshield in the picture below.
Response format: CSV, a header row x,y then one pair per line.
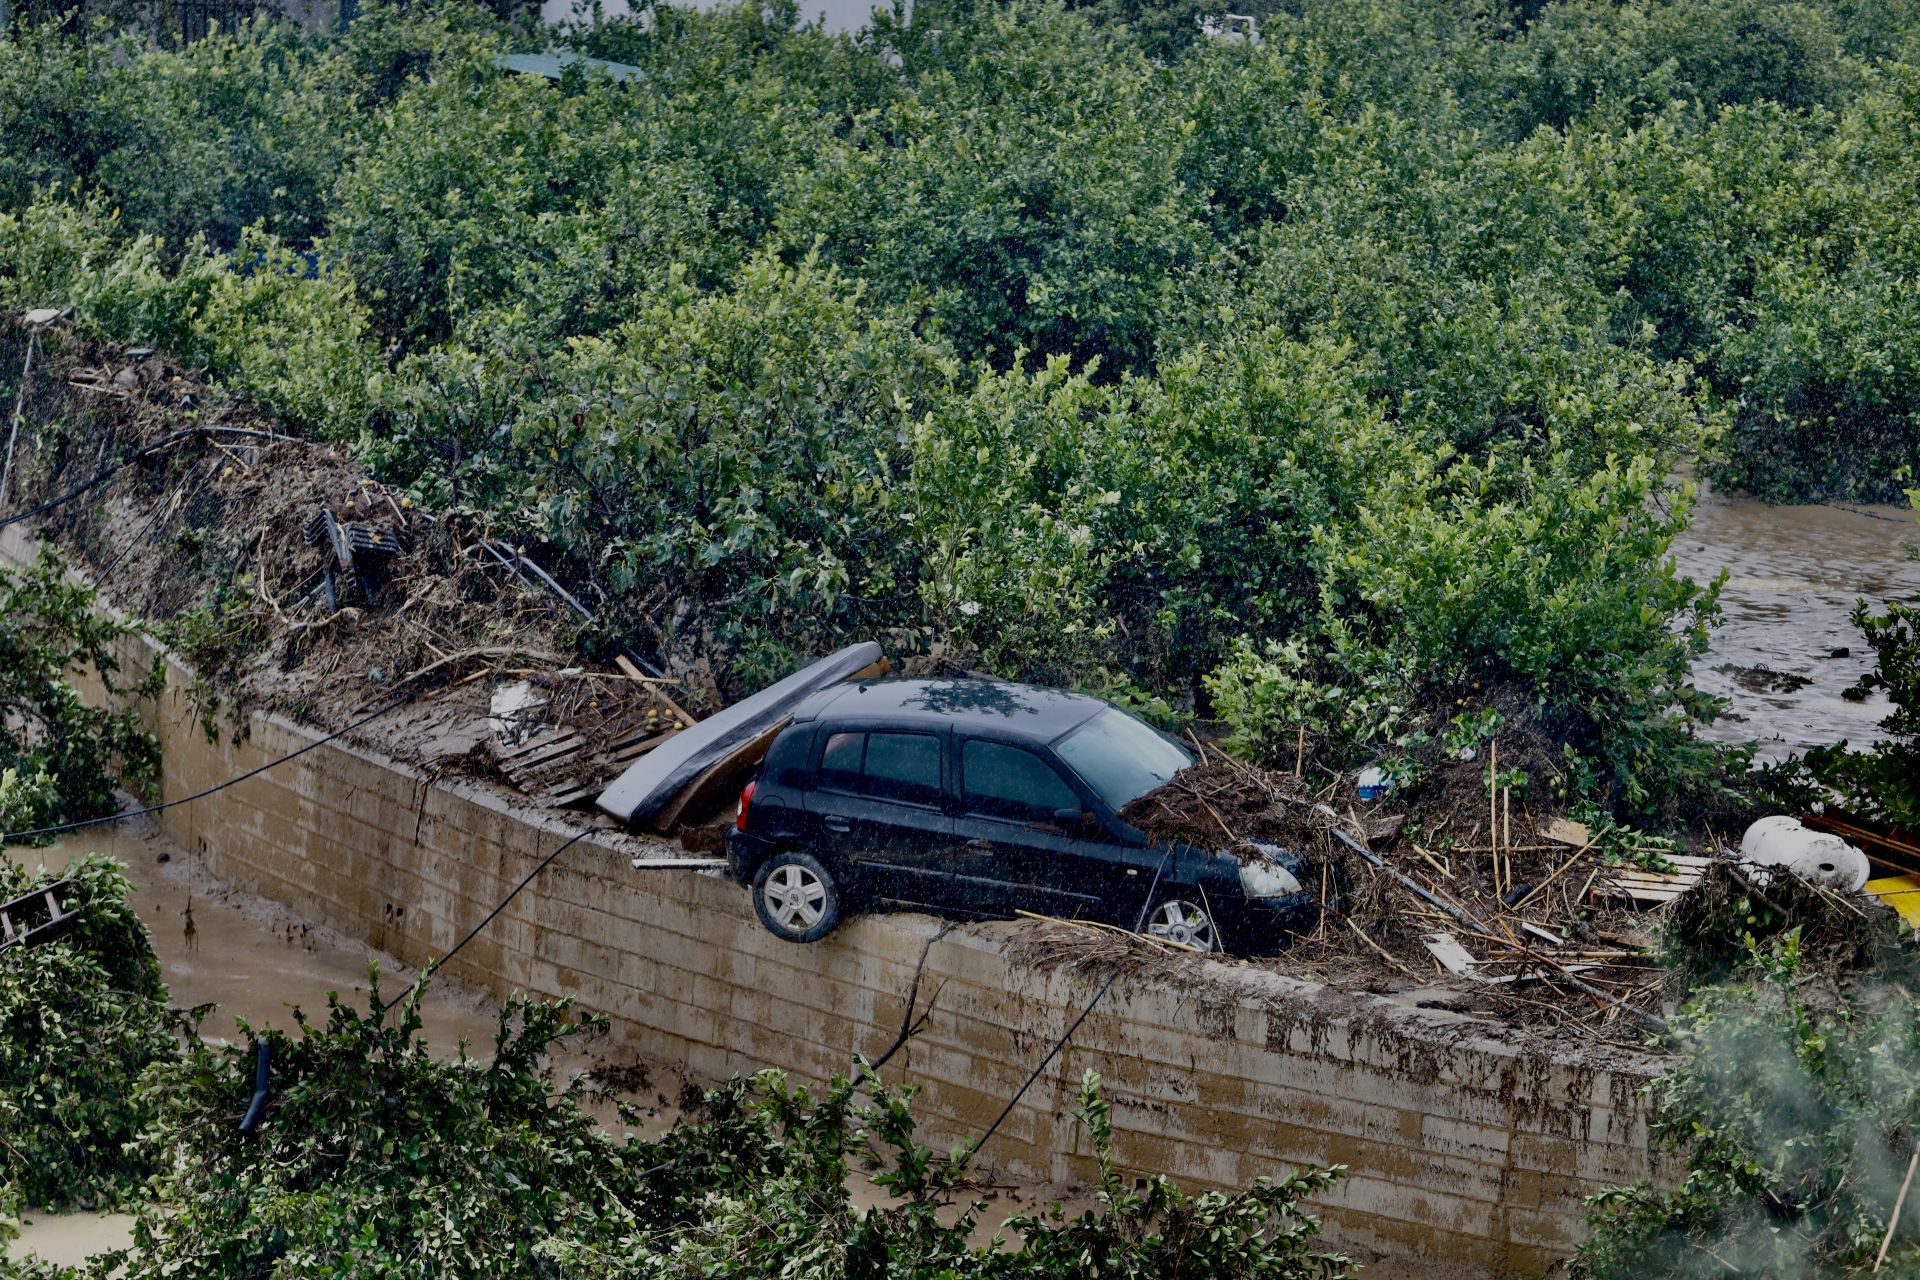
x,y
1120,757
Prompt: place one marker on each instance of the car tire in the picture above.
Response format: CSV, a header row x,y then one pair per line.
x,y
796,897
1183,920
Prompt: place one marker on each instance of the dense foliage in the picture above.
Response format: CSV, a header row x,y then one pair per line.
x,y
374,1158
1883,781
1341,373
1794,1106
80,1019
61,759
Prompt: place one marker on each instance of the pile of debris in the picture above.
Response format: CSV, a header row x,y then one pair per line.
x,y
1494,925
293,581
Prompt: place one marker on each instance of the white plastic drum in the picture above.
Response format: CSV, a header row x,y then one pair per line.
x,y
1813,855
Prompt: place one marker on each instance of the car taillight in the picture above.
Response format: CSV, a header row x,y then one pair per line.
x,y
746,799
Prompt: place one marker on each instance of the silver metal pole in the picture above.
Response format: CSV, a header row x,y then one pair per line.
x,y
19,403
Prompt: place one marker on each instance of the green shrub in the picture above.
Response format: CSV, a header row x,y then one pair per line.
x,y
80,1020
1795,1114
1882,782
375,1157
65,757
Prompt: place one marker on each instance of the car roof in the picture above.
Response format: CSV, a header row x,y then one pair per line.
x,y
996,707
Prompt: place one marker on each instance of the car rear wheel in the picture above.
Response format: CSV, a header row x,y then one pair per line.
x,y
1183,921
796,897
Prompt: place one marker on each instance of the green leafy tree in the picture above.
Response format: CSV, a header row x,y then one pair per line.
x,y
65,757
80,1019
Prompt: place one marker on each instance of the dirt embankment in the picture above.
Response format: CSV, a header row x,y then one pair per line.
x,y
293,581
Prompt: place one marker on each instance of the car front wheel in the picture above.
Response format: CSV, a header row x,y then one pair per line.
x,y
1183,921
796,897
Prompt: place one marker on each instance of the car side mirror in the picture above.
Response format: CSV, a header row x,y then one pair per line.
x,y
1070,819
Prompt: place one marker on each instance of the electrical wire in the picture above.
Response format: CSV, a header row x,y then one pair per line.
x,y
11,837
161,511
1139,922
167,441
474,932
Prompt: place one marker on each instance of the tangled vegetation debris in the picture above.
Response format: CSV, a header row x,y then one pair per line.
x,y
206,538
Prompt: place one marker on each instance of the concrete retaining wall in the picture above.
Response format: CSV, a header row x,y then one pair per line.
x,y
1462,1148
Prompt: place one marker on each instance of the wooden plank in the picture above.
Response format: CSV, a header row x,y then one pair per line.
x,y
539,742
632,750
1547,936
1453,957
1642,895
553,753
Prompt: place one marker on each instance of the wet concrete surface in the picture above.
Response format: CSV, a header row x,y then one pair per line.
x,y
1785,651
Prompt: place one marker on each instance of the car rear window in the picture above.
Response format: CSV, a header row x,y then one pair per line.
x,y
840,761
903,766
888,766
1011,782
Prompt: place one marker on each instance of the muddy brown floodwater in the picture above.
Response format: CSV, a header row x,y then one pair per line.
x,y
1785,650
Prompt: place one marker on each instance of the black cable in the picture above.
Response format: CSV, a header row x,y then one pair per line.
x,y
1145,906
9,837
146,530
99,478
575,838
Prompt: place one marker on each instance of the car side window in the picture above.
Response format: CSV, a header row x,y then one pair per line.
x,y
1011,782
903,766
840,761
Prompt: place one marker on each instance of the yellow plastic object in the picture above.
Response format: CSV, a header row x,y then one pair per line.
x,y
1902,893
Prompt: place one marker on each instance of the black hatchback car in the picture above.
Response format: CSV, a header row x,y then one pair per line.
x,y
979,798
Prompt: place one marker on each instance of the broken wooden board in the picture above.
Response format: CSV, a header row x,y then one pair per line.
x,y
1651,888
567,763
1573,834
1455,958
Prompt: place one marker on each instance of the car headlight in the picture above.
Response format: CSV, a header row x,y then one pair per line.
x,y
1265,879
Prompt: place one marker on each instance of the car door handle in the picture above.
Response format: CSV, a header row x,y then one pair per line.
x,y
979,843
837,824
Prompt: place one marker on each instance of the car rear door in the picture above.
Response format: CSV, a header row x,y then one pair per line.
x,y
877,804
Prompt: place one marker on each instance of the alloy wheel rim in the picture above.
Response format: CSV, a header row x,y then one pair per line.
x,y
795,897
1182,922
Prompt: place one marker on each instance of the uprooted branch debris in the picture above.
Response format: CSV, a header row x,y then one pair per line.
x,y
1539,923
291,580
